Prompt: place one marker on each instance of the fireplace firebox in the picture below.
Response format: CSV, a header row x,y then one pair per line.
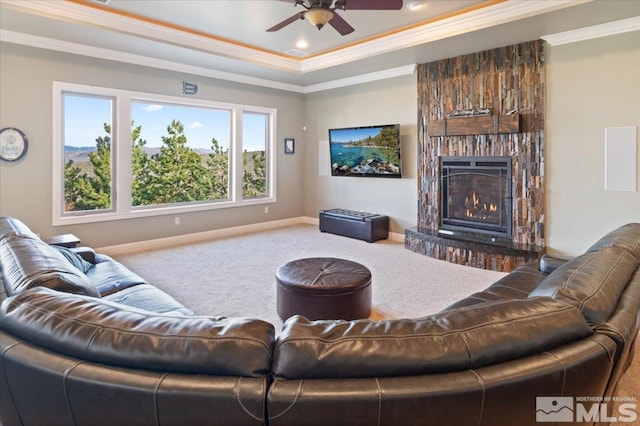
x,y
476,195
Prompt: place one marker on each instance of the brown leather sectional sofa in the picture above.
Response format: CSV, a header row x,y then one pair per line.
x,y
93,343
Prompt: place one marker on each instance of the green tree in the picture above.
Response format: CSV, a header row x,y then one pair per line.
x,y
217,166
90,190
140,173
254,181
388,142
176,174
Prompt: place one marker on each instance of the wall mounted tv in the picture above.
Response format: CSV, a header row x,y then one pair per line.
x,y
372,151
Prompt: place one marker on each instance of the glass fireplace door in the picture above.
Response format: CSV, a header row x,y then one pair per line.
x,y
476,194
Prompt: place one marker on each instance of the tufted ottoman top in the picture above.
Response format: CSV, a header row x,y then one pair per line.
x,y
323,275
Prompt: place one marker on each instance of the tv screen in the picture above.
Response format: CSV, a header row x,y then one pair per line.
x,y
366,151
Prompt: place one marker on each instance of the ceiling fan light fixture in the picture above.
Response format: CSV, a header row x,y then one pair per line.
x,y
415,5
318,17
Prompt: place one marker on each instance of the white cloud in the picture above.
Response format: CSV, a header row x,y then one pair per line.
x,y
152,108
195,125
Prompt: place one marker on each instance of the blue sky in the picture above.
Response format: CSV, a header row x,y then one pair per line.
x,y
84,118
346,135
200,124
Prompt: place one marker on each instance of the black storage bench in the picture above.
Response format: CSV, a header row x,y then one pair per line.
x,y
369,227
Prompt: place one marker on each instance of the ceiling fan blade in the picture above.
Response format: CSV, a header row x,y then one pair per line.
x,y
341,25
286,22
369,4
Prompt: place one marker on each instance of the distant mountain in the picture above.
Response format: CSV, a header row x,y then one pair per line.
x,y
80,154
68,148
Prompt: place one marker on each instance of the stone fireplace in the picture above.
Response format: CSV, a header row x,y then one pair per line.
x,y
481,158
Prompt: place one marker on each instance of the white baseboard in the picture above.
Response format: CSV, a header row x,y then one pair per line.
x,y
394,236
197,237
311,220
122,249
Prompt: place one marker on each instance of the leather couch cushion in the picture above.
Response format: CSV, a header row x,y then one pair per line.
x,y
110,276
149,298
626,237
548,264
29,262
592,282
516,285
11,226
74,258
109,333
470,337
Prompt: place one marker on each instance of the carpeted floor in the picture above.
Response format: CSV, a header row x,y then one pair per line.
x,y
234,277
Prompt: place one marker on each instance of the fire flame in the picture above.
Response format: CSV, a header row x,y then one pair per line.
x,y
476,206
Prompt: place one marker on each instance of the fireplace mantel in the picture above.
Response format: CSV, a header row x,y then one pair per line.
x,y
484,125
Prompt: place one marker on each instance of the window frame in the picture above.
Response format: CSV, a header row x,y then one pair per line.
x,y
121,150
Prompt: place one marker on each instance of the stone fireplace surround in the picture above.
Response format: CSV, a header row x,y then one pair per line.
x,y
505,80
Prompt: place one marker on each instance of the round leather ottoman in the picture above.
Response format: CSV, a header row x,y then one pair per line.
x,y
323,288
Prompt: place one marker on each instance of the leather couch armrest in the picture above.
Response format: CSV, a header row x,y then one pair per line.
x,y
548,264
87,253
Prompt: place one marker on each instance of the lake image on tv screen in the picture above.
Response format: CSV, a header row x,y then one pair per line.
x,y
370,151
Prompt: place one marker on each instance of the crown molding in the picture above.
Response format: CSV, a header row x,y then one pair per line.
x,y
362,78
478,19
595,31
72,12
47,43
482,17
115,55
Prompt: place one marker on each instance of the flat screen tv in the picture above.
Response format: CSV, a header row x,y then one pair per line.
x,y
372,151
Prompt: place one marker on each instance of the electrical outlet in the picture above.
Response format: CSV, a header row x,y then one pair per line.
x,y
266,210
176,220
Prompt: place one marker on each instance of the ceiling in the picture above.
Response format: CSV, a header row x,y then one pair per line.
x,y
227,39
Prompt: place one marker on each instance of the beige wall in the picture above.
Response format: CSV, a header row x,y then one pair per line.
x,y
384,102
591,85
26,76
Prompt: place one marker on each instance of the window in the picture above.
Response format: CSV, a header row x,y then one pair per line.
x,y
180,154
121,154
86,133
255,133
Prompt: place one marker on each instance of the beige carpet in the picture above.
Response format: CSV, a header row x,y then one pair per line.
x,y
235,277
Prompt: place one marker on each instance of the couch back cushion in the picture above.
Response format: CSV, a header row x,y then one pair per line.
x,y
110,276
468,337
11,226
105,332
30,262
592,282
626,237
74,258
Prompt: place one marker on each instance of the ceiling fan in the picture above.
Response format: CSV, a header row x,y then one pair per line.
x,y
321,12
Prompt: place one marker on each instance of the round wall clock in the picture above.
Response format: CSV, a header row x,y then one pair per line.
x,y
13,144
